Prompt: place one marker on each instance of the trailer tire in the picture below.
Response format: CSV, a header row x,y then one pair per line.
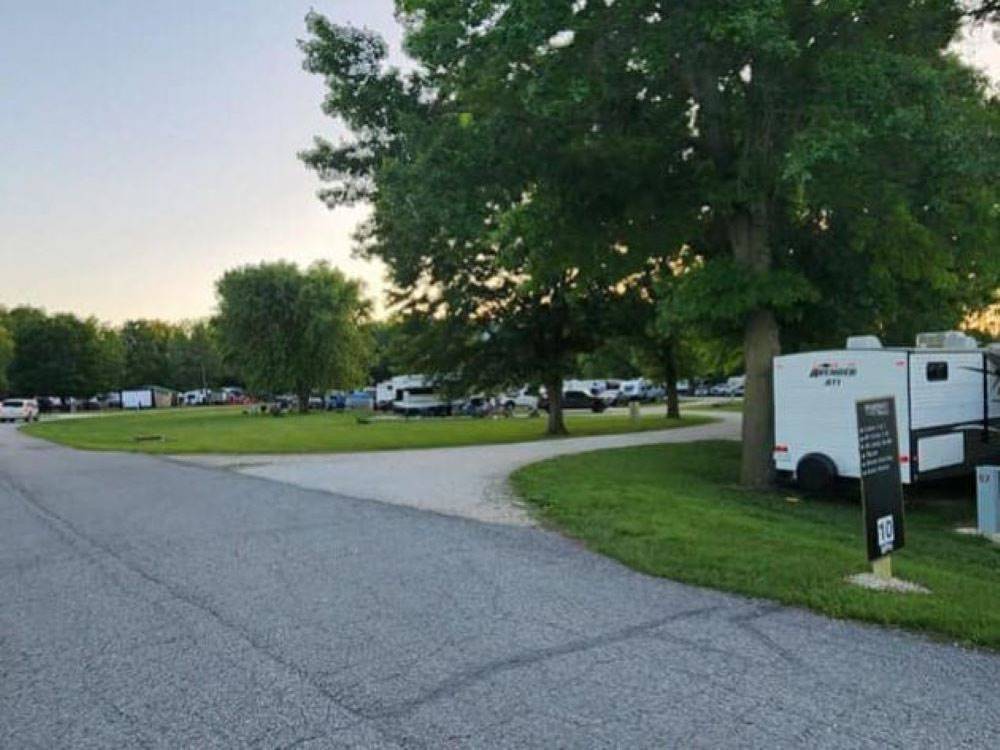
x,y
816,473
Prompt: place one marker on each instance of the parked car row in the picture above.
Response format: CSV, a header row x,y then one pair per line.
x,y
419,395
360,399
731,388
213,396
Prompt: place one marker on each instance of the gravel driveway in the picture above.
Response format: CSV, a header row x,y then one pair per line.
x,y
470,482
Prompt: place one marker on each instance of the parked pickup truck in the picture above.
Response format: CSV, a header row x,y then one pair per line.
x,y
577,400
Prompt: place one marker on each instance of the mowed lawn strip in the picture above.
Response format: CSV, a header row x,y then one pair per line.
x,y
229,430
675,511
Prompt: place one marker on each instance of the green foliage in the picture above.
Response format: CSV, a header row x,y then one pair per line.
x,y
194,359
618,356
288,330
825,167
183,356
475,212
898,219
400,346
146,344
720,292
6,354
61,355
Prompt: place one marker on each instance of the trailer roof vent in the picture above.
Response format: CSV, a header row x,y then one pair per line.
x,y
946,340
863,342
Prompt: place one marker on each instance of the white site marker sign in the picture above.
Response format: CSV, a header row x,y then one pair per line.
x,y
881,485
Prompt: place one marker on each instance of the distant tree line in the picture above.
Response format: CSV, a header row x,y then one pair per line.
x,y
279,329
65,355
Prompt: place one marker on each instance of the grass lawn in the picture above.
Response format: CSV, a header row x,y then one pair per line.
x,y
228,430
727,405
675,511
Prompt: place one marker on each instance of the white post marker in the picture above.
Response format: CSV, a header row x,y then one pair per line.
x,y
882,568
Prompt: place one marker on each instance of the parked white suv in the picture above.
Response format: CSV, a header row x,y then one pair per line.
x,y
13,409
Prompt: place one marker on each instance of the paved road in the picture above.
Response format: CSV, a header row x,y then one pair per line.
x,y
145,603
470,482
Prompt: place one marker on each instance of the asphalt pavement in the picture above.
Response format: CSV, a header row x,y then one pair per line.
x,y
146,603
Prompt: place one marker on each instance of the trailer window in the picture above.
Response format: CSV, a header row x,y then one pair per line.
x,y
937,371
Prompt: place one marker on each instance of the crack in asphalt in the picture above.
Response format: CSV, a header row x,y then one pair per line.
x,y
483,672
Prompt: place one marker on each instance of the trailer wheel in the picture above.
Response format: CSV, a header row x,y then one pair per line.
x,y
816,473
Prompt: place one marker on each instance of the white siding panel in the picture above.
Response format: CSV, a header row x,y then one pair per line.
x,y
941,450
957,400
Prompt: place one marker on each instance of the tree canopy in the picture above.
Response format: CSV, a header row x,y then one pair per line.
x,y
146,345
6,355
61,355
475,237
288,330
812,167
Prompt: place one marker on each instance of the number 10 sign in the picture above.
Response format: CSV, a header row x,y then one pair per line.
x,y
881,486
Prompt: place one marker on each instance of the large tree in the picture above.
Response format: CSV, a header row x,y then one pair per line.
x,y
805,155
814,136
288,330
475,215
62,355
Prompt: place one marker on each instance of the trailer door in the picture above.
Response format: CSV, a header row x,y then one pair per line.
x,y
946,401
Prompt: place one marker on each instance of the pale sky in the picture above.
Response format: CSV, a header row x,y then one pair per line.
x,y
146,146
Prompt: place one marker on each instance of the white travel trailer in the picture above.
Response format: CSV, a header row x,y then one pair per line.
x,y
197,397
415,395
385,394
147,397
947,393
592,387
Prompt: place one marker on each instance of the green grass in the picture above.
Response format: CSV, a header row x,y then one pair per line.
x,y
228,430
717,406
675,511
729,406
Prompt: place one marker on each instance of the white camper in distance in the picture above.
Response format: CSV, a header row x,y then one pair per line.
x,y
947,393
413,396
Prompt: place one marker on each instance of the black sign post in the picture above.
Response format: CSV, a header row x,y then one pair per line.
x,y
881,485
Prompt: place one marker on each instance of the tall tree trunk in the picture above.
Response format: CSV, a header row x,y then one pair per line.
x,y
556,423
751,250
304,401
670,370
